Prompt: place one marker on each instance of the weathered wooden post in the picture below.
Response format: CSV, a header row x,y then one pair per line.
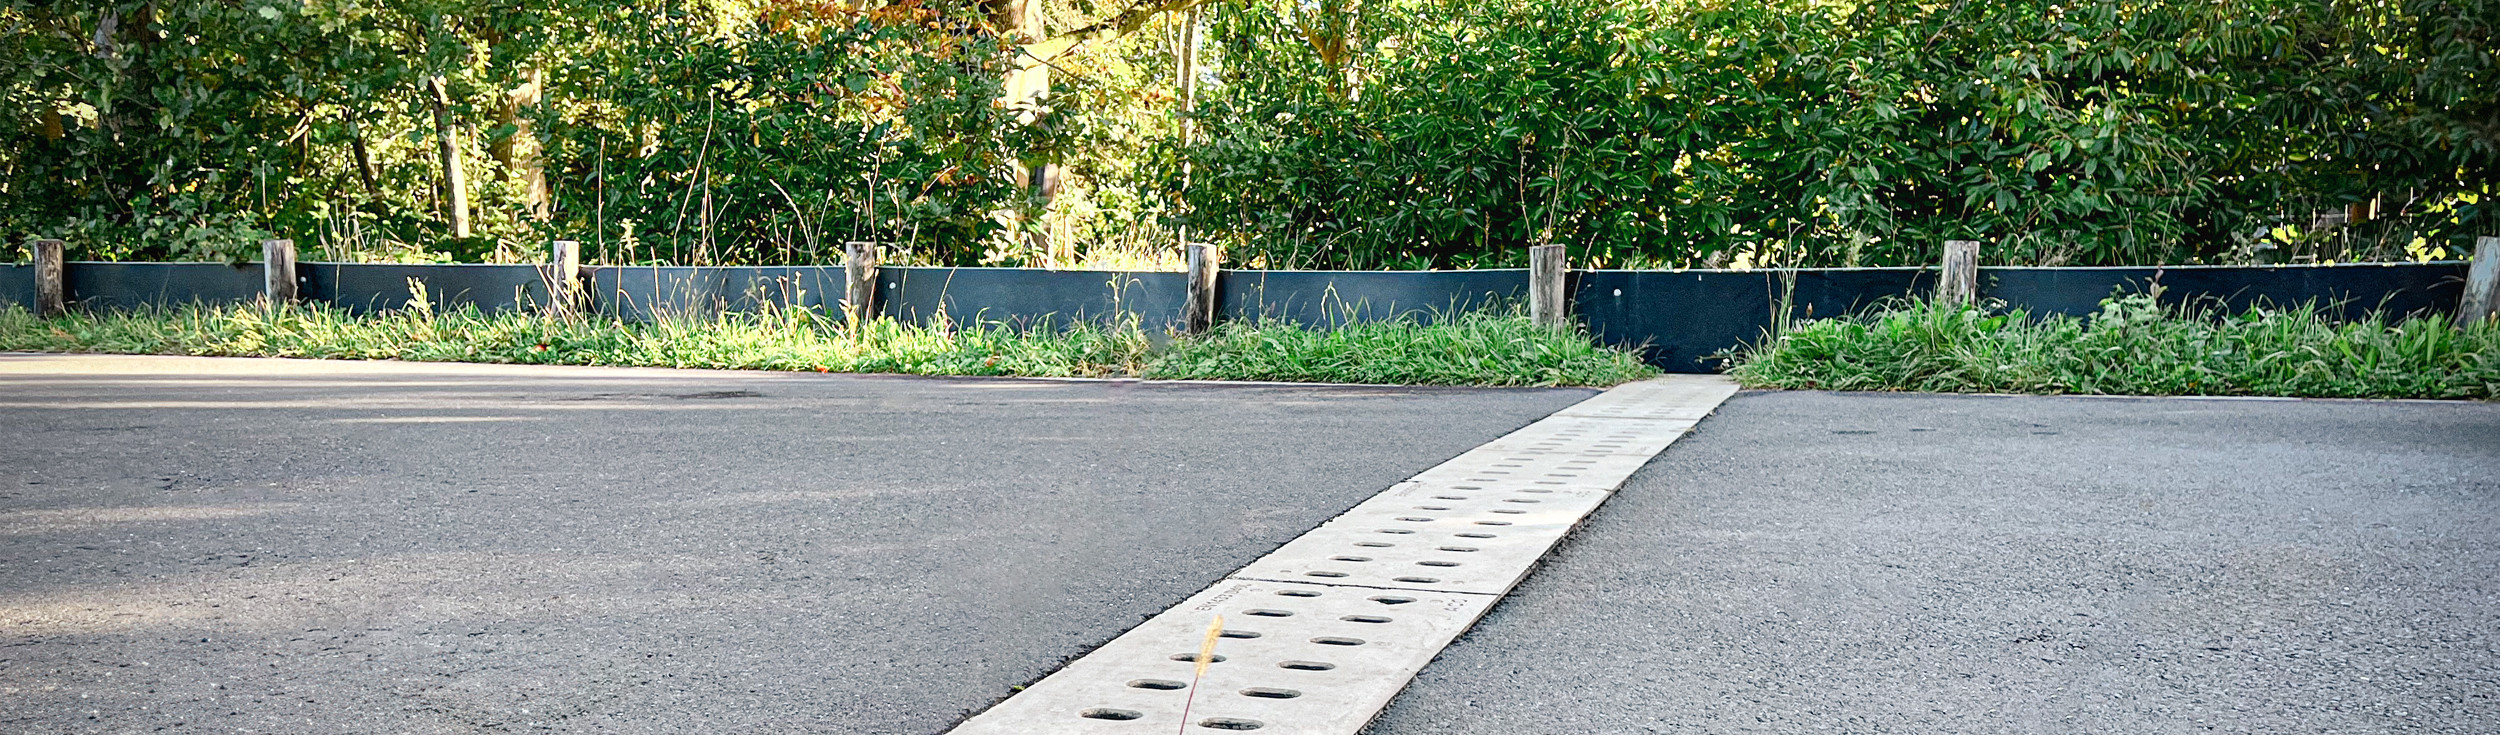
x,y
564,276
51,295
1198,307
277,270
1959,285
1545,286
2482,283
859,268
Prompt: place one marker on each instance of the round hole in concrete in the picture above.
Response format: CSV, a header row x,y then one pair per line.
x,y
1392,600
1270,693
1365,619
1107,713
1306,665
1230,723
1157,684
1297,593
1267,613
1193,658
1331,640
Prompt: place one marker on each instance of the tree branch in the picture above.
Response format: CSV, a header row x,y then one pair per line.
x,y
1132,18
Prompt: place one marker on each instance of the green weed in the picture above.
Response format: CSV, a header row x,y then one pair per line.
x,y
1470,349
2133,346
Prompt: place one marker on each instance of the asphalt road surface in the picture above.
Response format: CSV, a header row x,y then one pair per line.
x,y
276,546
193,545
1812,562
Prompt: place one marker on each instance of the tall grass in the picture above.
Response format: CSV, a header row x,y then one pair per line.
x,y
1472,349
2133,346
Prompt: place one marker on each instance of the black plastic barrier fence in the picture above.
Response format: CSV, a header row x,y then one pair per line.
x,y
104,286
1678,318
641,293
1681,318
2351,291
1027,296
364,288
17,286
1331,298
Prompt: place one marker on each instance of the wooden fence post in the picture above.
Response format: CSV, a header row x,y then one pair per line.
x,y
564,277
1198,305
2482,283
1959,285
51,295
859,268
1545,286
277,270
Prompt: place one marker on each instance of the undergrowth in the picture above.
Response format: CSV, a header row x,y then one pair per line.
x,y
1483,348
2133,346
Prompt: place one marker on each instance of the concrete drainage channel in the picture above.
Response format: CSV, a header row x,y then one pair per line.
x,y
1321,633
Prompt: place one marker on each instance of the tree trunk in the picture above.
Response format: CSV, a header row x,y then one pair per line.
x,y
364,156
1186,61
1185,69
447,145
517,153
1029,81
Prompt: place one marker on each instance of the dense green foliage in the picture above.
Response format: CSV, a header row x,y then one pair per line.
x,y
1809,133
807,126
1328,133
1471,349
687,132
2134,346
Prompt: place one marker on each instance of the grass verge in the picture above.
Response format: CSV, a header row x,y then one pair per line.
x,y
1493,349
2133,346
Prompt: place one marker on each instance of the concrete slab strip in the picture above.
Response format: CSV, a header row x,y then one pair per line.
x,y
1428,537
1320,655
1654,399
1594,436
1506,468
1323,631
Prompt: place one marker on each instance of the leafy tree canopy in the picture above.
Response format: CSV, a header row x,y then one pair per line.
x,y
1318,133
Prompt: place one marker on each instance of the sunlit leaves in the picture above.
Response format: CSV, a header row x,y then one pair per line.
x,y
1804,133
